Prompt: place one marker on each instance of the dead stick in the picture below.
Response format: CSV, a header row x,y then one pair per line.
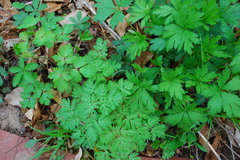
x,y
209,145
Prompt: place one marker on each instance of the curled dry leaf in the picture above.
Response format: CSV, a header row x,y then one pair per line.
x,y
6,4
7,44
79,154
14,98
37,113
29,114
122,27
52,7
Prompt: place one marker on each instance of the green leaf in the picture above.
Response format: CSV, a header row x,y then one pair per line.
x,y
60,77
158,44
179,38
31,66
88,71
230,13
1,40
80,23
106,8
172,83
18,5
29,21
30,143
186,117
65,55
141,10
17,78
44,37
138,43
233,84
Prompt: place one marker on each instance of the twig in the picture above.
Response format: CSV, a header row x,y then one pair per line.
x,y
232,150
209,145
114,34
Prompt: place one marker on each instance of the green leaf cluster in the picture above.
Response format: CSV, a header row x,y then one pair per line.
x,y
117,100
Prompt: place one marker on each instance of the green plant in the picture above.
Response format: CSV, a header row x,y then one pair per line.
x,y
56,136
118,102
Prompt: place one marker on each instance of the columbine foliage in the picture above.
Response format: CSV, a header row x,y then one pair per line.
x,y
116,103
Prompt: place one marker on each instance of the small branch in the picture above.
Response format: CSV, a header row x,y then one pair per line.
x,y
209,145
114,34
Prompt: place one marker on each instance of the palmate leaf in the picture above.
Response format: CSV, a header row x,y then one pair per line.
x,y
222,97
106,8
229,12
80,22
138,44
179,38
141,11
172,83
60,77
186,117
44,37
200,79
23,74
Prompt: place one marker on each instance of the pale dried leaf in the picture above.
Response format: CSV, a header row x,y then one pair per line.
x,y
52,7
29,114
122,27
14,97
6,4
237,137
79,154
10,43
72,14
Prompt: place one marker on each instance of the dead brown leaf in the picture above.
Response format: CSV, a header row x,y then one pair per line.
x,y
205,132
6,4
37,113
122,27
54,108
216,145
52,7
144,58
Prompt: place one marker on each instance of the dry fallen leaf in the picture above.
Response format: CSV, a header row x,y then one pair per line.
x,y
7,44
52,7
204,130
122,27
29,114
79,154
216,145
6,4
72,14
37,113
237,137
144,58
14,97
